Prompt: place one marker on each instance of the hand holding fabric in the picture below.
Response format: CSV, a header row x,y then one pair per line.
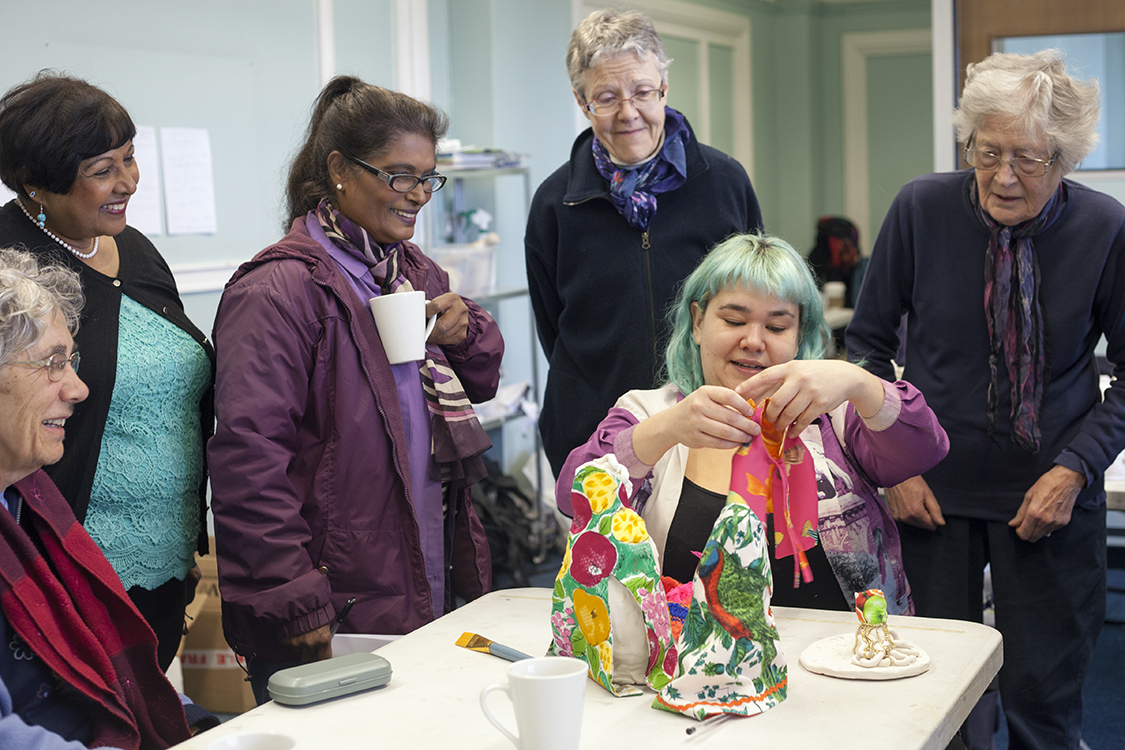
x,y
453,322
802,389
1048,504
914,503
710,417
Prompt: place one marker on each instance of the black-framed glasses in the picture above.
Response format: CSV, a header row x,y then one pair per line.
x,y
403,183
55,365
643,99
1025,166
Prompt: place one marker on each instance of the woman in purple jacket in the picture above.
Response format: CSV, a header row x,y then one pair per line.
x,y
748,324
337,475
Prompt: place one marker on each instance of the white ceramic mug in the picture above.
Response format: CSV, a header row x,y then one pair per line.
x,y
402,324
255,741
547,695
834,292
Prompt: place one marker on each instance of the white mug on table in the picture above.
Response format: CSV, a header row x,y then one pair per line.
x,y
547,695
403,328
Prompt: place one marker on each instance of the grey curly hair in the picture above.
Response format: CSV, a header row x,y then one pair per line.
x,y
1037,94
605,33
30,295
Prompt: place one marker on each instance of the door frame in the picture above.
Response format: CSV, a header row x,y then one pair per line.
x,y
856,49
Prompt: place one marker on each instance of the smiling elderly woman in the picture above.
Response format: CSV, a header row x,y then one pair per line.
x,y
613,231
78,663
1008,275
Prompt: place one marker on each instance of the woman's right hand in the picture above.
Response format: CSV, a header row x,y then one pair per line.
x,y
315,645
710,417
913,502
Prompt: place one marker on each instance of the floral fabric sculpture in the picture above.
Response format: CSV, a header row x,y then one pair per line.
x,y
609,607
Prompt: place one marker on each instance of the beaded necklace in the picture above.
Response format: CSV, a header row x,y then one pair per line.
x,y
53,236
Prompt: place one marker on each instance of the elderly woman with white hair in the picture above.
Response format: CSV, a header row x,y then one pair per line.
x,y
1008,275
78,666
614,230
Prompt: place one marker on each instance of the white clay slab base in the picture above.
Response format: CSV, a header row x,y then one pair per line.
x,y
833,657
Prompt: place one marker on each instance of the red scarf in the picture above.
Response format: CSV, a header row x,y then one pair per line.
x,y
70,608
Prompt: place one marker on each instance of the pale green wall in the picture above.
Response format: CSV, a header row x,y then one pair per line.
x,y
798,102
899,131
244,70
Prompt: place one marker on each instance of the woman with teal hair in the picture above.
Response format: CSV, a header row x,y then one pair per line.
x,y
748,324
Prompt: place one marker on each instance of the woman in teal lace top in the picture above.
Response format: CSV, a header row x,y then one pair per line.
x,y
133,468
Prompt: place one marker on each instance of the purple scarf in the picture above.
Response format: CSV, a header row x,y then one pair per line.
x,y
458,438
633,191
1017,330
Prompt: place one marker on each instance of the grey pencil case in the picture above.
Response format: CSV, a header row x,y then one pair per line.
x,y
331,678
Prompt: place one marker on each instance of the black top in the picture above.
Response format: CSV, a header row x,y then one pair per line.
x,y
147,279
691,527
600,288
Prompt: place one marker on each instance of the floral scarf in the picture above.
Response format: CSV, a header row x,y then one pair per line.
x,y
633,190
1017,329
458,438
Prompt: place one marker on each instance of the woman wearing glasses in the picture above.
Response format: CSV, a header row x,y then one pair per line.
x,y
337,475
613,231
1008,275
133,469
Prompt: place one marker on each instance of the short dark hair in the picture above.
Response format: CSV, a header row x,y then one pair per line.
x,y
50,124
360,120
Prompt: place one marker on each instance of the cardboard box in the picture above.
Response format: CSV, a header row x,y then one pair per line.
x,y
213,674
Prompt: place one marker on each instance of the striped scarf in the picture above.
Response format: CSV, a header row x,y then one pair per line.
x,y
71,610
1017,329
458,438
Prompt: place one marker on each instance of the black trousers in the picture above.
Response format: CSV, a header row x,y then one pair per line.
x,y
1050,606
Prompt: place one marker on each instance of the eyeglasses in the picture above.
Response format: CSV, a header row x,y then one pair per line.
x,y
55,365
1025,166
643,99
403,183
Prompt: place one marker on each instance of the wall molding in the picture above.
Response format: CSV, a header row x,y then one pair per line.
x,y
325,41
203,278
412,49
855,49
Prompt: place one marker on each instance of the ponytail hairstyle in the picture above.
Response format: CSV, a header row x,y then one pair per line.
x,y
357,119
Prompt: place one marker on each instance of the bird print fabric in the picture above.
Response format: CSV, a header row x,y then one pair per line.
x,y
730,660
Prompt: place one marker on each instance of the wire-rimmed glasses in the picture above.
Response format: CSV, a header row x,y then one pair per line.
x,y
643,99
1025,166
55,365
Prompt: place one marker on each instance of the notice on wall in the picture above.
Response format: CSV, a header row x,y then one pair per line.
x,y
144,207
189,185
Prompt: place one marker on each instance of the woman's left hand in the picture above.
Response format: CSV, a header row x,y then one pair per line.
x,y
802,389
453,319
1048,504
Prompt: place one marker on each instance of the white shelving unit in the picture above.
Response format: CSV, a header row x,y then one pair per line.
x,y
443,228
